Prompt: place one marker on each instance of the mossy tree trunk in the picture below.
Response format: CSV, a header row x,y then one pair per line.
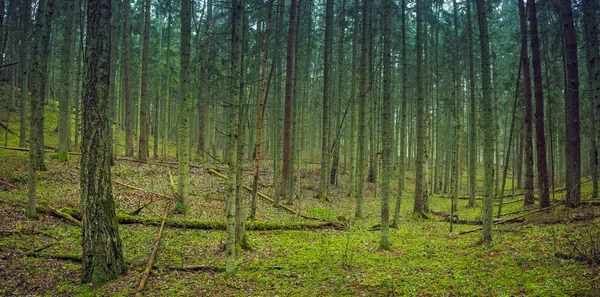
x,y
102,258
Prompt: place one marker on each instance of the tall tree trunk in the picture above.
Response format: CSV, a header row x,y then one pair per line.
x,y
402,160
353,108
25,19
472,112
386,126
144,112
261,110
488,129
572,129
234,163
102,253
335,158
593,59
64,122
540,138
183,117
420,185
528,187
127,80
287,174
327,95
361,109
41,50
455,114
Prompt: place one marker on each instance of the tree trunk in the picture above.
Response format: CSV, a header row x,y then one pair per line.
x,y
402,160
287,174
472,112
64,122
361,109
528,188
420,186
488,129
237,14
386,126
23,56
102,257
540,138
572,129
593,59
127,80
327,94
183,116
144,112
261,110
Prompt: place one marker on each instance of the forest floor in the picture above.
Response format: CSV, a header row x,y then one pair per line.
x,y
540,256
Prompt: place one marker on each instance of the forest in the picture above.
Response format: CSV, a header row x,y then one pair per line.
x,y
299,148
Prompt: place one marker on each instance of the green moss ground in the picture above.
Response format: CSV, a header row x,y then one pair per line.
x,y
425,259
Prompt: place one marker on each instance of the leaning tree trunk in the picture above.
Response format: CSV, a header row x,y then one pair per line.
x,y
102,257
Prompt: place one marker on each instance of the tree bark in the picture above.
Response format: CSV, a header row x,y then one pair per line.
x,y
540,135
572,129
287,174
472,112
64,122
144,112
327,95
102,257
528,187
127,80
593,59
488,129
361,109
386,126
183,116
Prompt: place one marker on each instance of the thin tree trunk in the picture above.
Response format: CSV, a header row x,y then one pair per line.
x,y
327,94
528,188
386,126
287,173
144,111
361,109
593,66
23,56
183,117
127,80
472,112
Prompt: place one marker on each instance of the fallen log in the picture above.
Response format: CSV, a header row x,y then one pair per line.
x,y
220,225
191,268
65,257
21,149
262,195
8,184
503,221
150,264
59,214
